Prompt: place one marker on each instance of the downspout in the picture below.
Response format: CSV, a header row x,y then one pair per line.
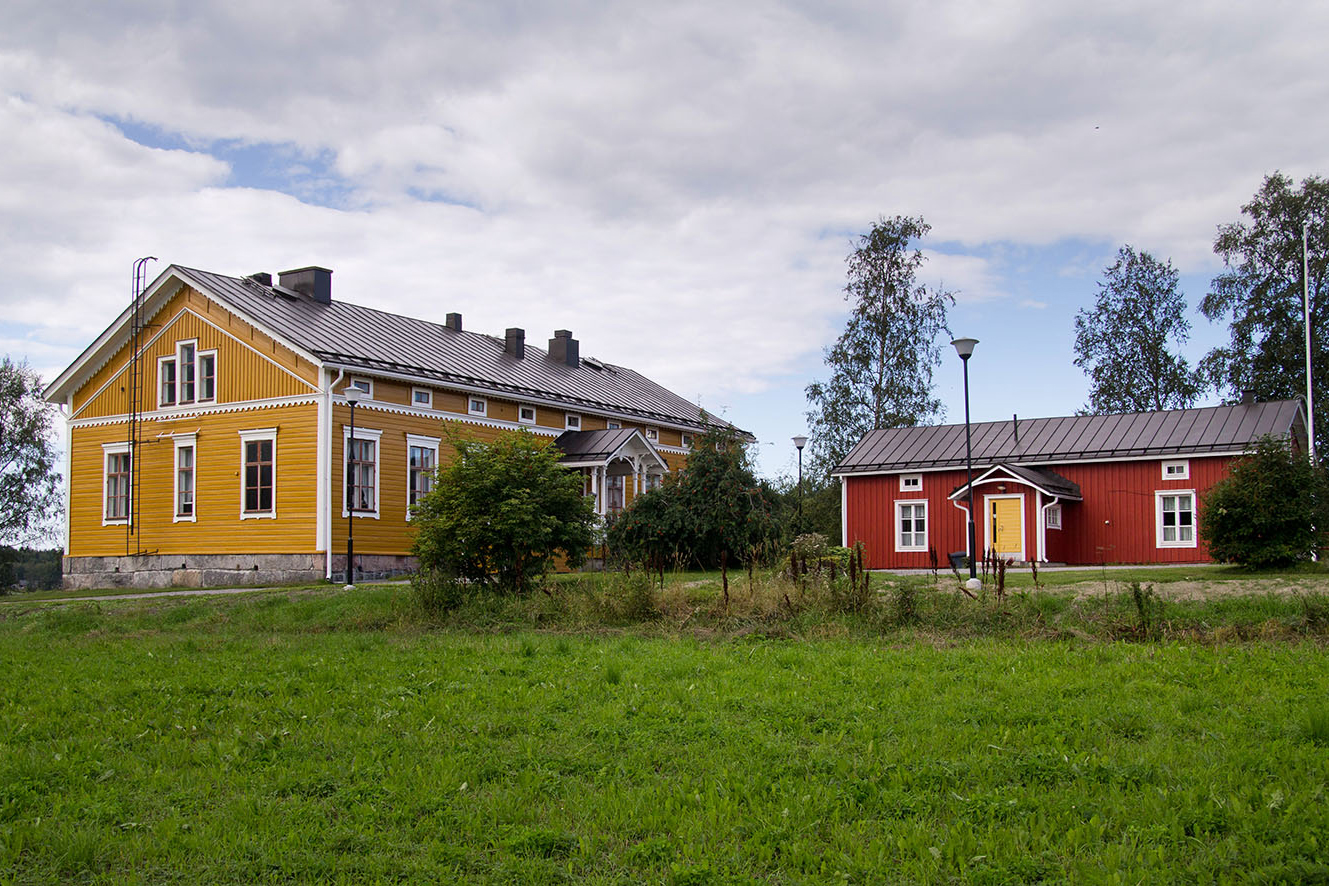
x,y
1043,525
68,409
844,512
964,506
325,478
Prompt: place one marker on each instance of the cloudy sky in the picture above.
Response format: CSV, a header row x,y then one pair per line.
x,y
678,183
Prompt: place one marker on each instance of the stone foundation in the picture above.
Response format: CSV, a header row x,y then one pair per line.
x,y
192,570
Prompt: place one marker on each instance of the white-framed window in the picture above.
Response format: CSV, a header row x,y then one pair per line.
x,y
186,450
360,471
686,440
615,486
116,477
422,397
613,425
1177,470
911,482
188,377
573,422
911,525
364,384
421,465
526,415
653,434
477,406
1175,509
258,477
1053,517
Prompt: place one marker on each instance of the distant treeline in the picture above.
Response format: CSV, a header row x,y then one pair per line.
x,y
28,569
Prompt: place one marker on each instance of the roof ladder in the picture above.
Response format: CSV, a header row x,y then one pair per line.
x,y
136,378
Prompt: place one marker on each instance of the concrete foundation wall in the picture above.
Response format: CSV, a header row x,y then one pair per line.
x,y
223,570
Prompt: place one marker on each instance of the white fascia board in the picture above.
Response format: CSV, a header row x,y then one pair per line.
x,y
907,469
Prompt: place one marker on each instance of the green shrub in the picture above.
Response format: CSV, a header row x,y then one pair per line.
x,y
436,591
500,512
1271,511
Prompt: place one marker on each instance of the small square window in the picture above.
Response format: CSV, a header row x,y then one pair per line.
x,y
477,406
911,482
573,422
526,415
613,425
1054,517
363,384
687,440
1177,470
422,397
653,434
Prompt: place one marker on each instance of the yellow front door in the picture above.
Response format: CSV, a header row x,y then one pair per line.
x,y
1004,526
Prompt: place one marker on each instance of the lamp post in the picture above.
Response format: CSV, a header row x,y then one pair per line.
x,y
965,348
799,443
353,395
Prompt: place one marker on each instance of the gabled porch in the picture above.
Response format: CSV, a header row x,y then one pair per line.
x,y
617,465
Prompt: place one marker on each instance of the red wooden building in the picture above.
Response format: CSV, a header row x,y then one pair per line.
x,y
1080,489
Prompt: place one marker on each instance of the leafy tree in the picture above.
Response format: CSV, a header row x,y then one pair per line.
x,y
500,512
1260,290
881,366
29,483
714,508
1272,510
1122,344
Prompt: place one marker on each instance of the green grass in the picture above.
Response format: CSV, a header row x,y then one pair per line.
x,y
328,737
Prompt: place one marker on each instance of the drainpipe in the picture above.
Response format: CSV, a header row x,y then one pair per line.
x,y
326,475
1043,526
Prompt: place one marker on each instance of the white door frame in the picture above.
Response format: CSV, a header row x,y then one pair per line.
x,y
987,524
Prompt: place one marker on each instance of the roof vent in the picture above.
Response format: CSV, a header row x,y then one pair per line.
x,y
563,348
593,363
515,342
453,322
311,282
262,278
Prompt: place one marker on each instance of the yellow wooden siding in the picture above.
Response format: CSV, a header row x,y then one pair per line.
x,y
219,529
254,367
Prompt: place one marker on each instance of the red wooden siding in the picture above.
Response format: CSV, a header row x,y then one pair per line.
x,y
1115,523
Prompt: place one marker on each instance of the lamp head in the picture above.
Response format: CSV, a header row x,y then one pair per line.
x,y
800,442
353,394
964,347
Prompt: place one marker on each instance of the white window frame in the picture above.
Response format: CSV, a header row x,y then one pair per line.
x,y
192,344
612,425
521,409
685,440
911,482
427,402
175,382
376,435
190,441
364,384
653,434
572,421
471,402
258,435
422,442
198,378
1183,474
109,449
1161,494
1052,517
900,504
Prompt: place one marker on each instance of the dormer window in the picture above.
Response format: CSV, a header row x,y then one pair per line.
x,y
188,377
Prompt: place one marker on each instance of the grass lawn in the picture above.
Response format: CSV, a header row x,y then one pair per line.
x,y
325,736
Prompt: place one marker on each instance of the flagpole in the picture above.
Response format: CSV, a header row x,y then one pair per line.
x,y
1306,307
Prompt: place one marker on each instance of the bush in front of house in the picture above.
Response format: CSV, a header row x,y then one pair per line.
x,y
712,512
1271,511
500,513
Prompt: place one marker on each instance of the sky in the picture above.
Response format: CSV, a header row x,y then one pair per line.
x,y
677,183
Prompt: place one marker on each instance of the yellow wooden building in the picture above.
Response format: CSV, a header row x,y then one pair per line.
x,y
209,430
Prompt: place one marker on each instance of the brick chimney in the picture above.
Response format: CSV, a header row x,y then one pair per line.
x,y
453,322
515,343
311,282
563,348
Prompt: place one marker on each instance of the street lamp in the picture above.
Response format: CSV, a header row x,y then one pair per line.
x,y
799,443
965,348
353,395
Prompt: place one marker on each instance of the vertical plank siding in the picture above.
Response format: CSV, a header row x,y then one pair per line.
x,y
1115,523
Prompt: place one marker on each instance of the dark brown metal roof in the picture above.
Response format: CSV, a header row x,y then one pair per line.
x,y
1078,437
592,446
351,335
